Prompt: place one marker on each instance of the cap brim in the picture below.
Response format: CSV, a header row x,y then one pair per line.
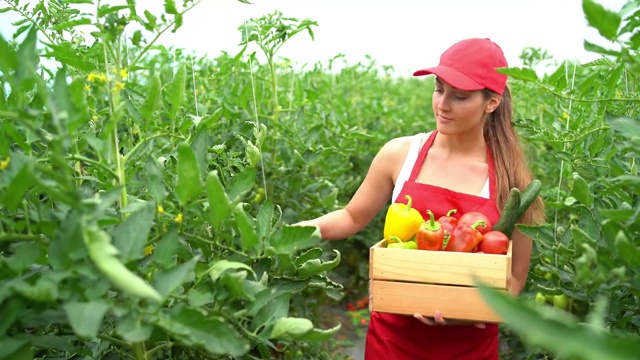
x,y
452,77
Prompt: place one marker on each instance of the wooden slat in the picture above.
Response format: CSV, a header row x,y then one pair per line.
x,y
440,267
455,302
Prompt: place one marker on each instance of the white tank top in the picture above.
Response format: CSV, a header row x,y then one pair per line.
x,y
410,160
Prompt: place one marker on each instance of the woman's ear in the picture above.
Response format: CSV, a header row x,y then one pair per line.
x,y
493,104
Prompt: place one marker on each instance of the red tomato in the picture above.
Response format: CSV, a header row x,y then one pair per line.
x,y
472,217
494,242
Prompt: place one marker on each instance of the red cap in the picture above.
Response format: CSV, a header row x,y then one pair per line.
x,y
470,65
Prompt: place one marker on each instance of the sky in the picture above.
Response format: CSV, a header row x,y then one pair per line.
x,y
405,34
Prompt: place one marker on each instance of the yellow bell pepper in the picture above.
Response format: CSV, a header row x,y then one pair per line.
x,y
402,221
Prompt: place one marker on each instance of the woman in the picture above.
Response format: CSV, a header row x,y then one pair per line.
x,y
469,162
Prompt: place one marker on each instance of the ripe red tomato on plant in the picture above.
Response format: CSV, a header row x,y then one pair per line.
x,y
473,217
494,242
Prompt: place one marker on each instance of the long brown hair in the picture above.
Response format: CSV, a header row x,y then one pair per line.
x,y
510,162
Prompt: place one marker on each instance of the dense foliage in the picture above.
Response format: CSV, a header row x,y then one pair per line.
x,y
146,193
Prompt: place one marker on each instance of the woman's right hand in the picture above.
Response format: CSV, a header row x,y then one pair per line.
x,y
438,319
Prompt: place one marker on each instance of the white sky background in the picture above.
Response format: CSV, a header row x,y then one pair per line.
x,y
406,34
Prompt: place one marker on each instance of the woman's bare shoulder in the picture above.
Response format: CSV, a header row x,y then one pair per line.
x,y
398,146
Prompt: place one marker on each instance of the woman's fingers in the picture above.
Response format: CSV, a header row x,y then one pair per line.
x,y
425,320
439,319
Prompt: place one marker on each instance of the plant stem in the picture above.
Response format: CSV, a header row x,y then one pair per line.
x,y
113,340
139,351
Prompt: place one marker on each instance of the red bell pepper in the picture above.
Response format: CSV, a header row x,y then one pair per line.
x,y
472,217
465,237
430,234
448,222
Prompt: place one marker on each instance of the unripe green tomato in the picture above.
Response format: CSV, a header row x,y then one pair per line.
x,y
541,299
548,276
560,301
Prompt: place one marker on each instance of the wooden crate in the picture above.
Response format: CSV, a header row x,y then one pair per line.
x,y
421,281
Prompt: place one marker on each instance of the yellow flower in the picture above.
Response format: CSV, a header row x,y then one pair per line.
x,y
93,77
160,209
87,88
178,218
118,86
124,74
618,94
148,250
4,164
565,115
94,118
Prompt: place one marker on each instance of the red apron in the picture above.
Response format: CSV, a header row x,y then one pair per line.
x,y
401,337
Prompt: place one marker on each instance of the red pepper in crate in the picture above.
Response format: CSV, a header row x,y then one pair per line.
x,y
472,217
448,222
465,237
430,234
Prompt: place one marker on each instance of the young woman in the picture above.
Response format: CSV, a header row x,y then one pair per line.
x,y
469,163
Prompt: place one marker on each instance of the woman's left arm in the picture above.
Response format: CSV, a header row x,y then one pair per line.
x,y
521,252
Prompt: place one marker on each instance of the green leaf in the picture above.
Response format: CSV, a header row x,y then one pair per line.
x,y
222,266
199,146
316,266
628,252
155,182
70,24
9,311
219,204
270,305
167,281
288,239
319,334
556,330
589,46
103,254
523,74
106,9
558,79
246,226
605,21
130,236
132,328
8,60
213,334
15,349
241,184
24,255
626,126
52,342
67,246
27,56
66,54
189,185
265,219
288,328
170,7
581,191
235,283
152,98
165,251
20,183
176,91
86,318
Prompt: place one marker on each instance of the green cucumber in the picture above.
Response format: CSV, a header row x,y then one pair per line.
x,y
529,195
509,214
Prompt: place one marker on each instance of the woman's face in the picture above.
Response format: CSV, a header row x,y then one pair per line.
x,y
460,111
